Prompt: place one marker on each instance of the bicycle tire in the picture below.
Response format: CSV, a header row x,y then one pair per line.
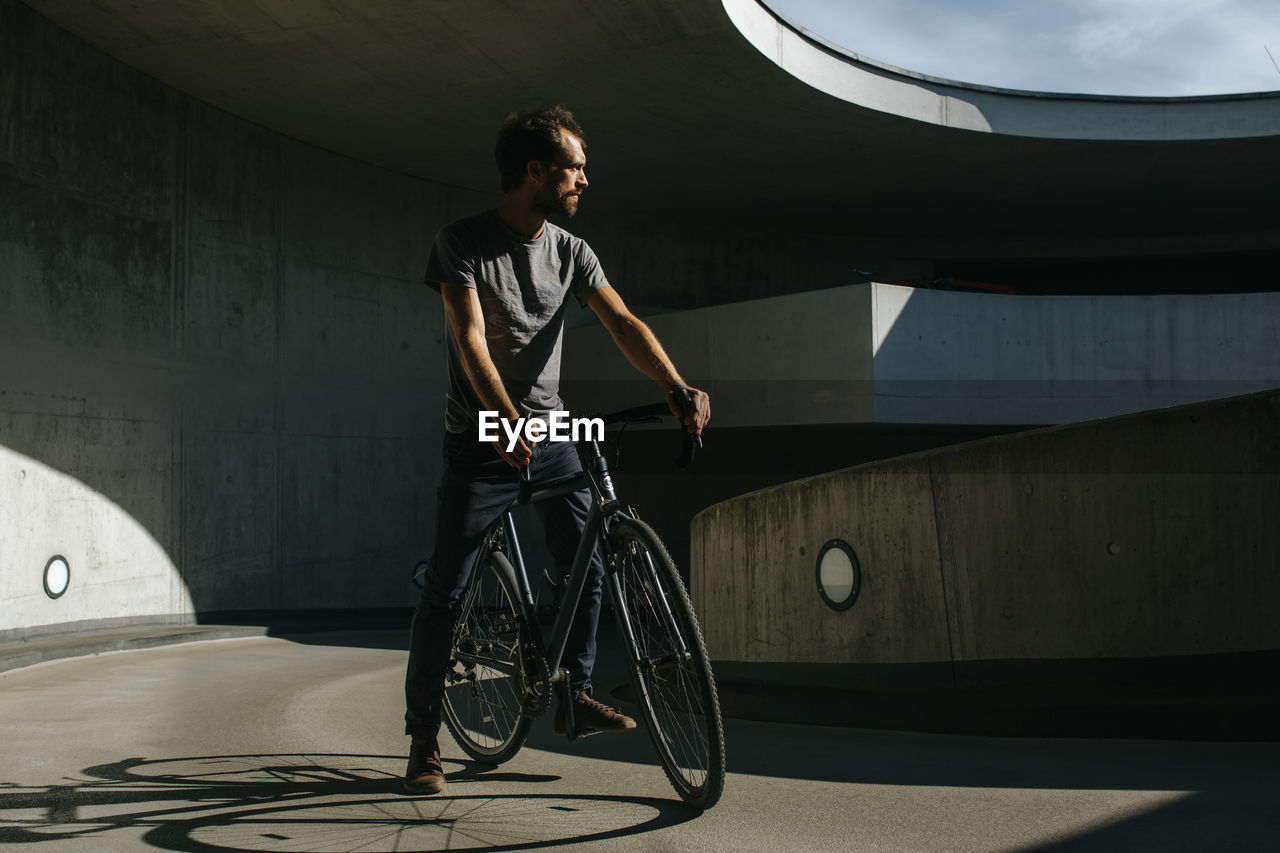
x,y
483,703
677,697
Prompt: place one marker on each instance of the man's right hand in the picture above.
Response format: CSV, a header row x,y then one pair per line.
x,y
466,322
518,457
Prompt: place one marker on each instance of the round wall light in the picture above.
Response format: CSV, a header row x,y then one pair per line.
x,y
839,575
57,576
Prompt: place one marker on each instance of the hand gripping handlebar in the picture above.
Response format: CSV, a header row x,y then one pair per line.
x,y
654,412
692,442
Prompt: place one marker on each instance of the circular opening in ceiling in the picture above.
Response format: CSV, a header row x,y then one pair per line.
x,y
57,576
1176,48
839,575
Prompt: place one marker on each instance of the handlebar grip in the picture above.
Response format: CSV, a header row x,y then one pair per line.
x,y
692,442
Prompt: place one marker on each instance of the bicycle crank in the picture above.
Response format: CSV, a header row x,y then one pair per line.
x,y
535,681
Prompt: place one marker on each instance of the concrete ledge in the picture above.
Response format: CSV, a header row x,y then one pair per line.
x,y
16,653
30,633
1144,536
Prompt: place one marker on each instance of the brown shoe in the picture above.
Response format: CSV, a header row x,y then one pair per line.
x,y
592,716
425,774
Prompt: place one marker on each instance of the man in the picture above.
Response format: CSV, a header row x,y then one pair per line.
x,y
505,276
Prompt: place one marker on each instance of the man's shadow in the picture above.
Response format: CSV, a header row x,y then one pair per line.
x,y
308,802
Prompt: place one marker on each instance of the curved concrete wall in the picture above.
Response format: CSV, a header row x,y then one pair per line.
x,y
1140,536
986,109
220,376
117,566
218,371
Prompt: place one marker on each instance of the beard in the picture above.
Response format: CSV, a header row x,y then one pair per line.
x,y
549,201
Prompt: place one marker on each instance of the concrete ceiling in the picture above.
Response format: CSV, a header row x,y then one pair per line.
x,y
686,115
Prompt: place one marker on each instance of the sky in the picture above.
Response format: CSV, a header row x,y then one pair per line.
x,y
1106,47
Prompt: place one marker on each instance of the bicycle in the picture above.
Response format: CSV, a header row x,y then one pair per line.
x,y
502,671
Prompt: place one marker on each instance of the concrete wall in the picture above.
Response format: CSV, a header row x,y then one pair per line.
x,y
798,359
220,379
812,382
889,354
219,375
1143,535
987,358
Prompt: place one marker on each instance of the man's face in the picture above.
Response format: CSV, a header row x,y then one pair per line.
x,y
564,180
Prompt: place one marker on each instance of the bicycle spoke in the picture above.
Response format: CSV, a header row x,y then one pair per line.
x,y
483,695
672,678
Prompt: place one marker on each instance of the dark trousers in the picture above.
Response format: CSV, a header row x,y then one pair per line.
x,y
477,485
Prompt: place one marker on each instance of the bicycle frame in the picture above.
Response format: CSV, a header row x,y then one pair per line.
x,y
603,509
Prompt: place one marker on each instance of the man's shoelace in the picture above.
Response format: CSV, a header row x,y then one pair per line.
x,y
598,707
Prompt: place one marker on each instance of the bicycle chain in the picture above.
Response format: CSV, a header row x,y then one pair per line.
x,y
536,689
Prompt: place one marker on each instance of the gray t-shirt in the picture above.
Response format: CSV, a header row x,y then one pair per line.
x,y
522,285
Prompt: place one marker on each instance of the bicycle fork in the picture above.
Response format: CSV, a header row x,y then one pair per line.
x,y
678,655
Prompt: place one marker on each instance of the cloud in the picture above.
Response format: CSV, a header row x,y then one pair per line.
x,y
1136,47
1122,29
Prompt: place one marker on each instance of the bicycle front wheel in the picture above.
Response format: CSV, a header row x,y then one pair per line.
x,y
670,672
483,686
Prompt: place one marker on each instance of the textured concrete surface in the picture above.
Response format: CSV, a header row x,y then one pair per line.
x,y
831,139
219,375
264,744
16,655
900,355
218,384
1144,535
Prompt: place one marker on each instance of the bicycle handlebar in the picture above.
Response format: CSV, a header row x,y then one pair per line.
x,y
654,412
647,414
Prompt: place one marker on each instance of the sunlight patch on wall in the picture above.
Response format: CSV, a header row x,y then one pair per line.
x,y
69,554
888,303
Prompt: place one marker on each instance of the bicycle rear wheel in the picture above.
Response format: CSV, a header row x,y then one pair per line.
x,y
484,682
670,671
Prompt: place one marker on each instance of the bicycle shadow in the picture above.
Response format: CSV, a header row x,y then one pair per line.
x,y
282,802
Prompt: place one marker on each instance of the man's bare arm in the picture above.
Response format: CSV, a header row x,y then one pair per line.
x,y
462,308
642,348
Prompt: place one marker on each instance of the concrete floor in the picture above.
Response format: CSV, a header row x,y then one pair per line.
x,y
261,743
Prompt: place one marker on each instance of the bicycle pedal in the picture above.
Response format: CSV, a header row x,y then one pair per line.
x,y
578,734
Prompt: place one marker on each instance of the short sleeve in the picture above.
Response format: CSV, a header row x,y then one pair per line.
x,y
452,261
588,276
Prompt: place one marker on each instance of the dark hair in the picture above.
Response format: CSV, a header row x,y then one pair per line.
x,y
534,135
